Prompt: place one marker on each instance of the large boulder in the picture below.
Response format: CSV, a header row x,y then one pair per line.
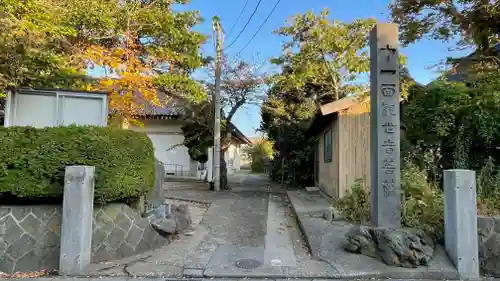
x,y
178,221
396,247
489,245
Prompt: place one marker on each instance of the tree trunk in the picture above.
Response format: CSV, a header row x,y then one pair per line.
x,y
225,143
282,172
223,174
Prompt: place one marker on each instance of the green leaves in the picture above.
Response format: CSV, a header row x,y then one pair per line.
x,y
475,21
181,86
332,54
47,43
33,161
460,119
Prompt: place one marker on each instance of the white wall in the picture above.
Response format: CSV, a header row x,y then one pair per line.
x,y
165,135
233,157
55,108
158,126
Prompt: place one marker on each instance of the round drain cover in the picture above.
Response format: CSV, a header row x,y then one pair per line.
x,y
248,263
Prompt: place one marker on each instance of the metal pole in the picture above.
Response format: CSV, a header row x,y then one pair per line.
x,y
217,105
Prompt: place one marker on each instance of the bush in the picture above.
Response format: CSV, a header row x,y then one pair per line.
x,y
422,206
355,206
488,189
32,161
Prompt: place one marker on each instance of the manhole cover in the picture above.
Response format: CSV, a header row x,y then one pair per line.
x,y
248,263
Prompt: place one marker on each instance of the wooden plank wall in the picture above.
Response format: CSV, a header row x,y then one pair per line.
x,y
329,172
354,157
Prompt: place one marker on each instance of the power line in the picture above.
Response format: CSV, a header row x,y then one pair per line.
x,y
244,27
238,19
260,27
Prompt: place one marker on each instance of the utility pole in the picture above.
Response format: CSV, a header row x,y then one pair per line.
x,y
217,107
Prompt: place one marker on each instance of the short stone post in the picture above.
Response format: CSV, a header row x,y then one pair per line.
x,y
160,211
385,128
460,221
76,228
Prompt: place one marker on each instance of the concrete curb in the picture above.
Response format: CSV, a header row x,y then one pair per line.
x,y
206,202
299,222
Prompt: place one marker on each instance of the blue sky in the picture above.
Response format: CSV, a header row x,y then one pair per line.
x,y
421,55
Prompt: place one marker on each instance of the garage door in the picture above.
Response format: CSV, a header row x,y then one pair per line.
x,y
163,144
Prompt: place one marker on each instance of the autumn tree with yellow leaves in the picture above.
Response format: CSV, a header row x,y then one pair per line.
x,y
143,50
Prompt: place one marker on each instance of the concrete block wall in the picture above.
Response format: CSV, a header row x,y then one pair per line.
x,y
32,236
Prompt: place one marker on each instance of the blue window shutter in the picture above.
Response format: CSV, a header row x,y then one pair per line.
x,y
327,149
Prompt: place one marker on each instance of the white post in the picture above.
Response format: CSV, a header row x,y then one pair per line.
x,y
76,228
460,221
385,129
9,109
210,167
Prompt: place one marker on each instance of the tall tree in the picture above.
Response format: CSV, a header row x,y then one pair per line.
x,y
34,45
141,46
475,22
147,47
241,84
331,55
259,153
324,60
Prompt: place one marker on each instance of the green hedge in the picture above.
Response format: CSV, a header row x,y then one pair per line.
x,y
32,161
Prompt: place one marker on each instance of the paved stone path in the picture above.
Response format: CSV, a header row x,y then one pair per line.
x,y
253,222
211,279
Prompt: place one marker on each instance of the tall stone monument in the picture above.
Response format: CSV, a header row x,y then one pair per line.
x,y
385,128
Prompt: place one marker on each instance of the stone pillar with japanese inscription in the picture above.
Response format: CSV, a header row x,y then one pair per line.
x,y
385,128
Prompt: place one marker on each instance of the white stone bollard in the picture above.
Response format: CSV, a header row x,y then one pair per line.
x,y
460,221
210,167
76,228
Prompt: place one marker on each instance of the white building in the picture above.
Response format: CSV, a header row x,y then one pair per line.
x,y
163,126
41,108
48,108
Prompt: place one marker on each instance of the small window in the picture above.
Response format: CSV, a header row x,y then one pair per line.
x,y
327,149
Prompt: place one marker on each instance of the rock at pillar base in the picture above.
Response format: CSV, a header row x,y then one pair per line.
x,y
396,247
489,251
164,226
178,221
489,256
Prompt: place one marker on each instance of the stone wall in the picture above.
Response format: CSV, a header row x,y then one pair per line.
x,y
32,236
489,245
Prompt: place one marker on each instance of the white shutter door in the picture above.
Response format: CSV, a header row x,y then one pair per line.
x,y
36,110
81,111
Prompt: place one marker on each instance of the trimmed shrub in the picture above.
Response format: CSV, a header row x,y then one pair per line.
x,y
33,161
